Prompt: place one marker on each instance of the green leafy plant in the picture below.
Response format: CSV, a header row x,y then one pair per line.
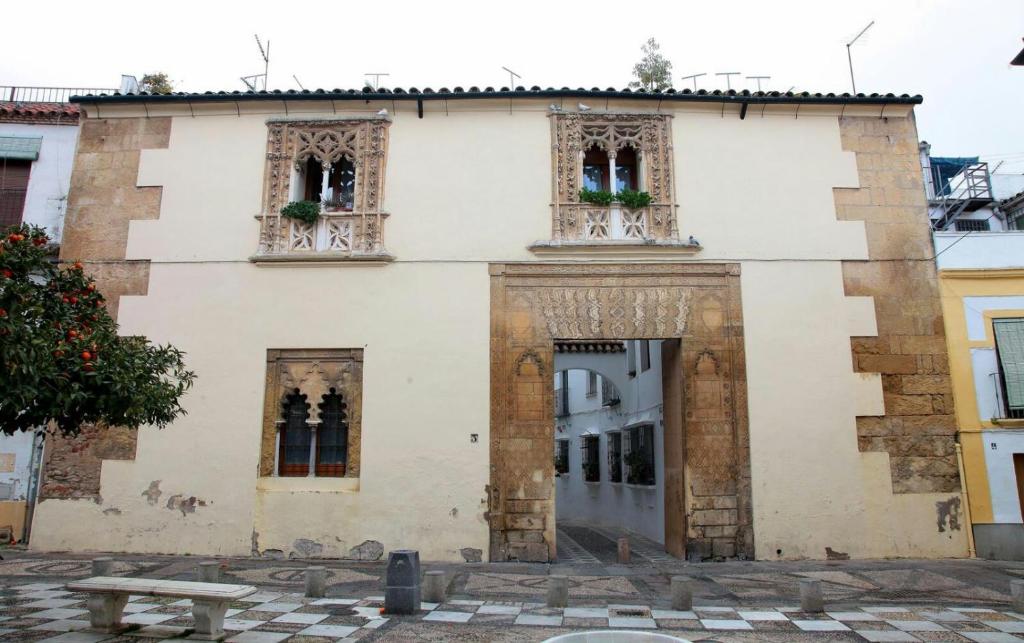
x,y
61,358
640,470
305,211
654,71
633,200
157,83
597,197
591,471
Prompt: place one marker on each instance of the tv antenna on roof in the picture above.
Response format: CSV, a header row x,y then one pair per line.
x,y
298,82
376,78
694,77
728,85
758,79
253,82
511,78
849,58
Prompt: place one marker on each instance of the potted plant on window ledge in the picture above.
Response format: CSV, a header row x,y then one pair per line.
x,y
640,470
305,211
629,199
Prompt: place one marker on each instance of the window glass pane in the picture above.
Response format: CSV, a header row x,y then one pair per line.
x,y
332,434
295,437
593,177
314,180
625,178
342,184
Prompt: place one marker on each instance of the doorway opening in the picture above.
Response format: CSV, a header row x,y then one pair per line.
x,y
610,449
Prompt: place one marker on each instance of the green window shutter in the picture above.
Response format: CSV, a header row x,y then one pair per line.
x,y
1010,345
24,148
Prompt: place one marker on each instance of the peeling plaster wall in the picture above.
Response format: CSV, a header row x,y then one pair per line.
x,y
423,323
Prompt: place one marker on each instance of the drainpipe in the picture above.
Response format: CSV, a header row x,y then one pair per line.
x,y
967,499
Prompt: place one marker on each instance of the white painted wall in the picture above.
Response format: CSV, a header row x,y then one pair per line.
x,y
979,250
466,188
1000,445
50,179
637,508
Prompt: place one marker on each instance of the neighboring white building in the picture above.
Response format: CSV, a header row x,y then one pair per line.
x,y
37,149
965,196
608,405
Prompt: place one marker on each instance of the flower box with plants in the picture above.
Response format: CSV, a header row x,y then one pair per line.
x,y
629,199
641,470
305,211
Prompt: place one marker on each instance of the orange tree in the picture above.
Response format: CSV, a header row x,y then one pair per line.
x,y
61,359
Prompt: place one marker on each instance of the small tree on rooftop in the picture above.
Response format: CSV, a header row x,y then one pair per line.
x,y
61,358
156,83
654,71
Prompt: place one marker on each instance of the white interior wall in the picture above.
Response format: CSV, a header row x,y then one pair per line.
x,y
640,509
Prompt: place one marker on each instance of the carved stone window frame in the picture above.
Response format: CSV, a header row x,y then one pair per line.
x,y
650,135
353,235
314,372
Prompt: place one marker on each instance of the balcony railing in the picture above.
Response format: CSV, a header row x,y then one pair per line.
x,y
590,222
333,233
48,94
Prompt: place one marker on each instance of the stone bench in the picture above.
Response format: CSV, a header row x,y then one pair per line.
x,y
108,596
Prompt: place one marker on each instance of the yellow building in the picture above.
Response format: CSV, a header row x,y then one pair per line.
x,y
379,375
981,276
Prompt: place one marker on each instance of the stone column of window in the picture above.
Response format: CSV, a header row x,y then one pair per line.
x,y
312,451
614,211
325,186
277,448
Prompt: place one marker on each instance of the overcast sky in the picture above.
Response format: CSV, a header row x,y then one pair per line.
x,y
955,53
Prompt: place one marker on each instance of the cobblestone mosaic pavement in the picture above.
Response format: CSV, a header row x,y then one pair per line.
x,y
898,600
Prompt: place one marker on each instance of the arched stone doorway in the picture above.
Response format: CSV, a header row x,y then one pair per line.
x,y
707,470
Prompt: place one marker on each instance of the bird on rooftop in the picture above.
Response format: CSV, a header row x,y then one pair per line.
x,y
383,112
583,108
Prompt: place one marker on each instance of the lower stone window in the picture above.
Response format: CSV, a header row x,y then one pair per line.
x,y
312,413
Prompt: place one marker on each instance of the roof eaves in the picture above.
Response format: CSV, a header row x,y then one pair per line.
x,y
456,93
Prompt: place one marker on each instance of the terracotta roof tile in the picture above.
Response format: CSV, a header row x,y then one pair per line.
x,y
413,93
39,112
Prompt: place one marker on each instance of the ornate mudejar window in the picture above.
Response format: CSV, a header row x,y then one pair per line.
x,y
335,169
617,155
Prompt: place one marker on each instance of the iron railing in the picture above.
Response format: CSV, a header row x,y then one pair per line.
x,y
973,185
19,94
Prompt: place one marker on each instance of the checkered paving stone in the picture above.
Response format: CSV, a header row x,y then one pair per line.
x,y
46,613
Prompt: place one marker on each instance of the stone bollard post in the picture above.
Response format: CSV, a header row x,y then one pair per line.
x,y
208,572
402,582
810,596
435,587
558,591
316,581
103,566
1017,591
624,551
682,597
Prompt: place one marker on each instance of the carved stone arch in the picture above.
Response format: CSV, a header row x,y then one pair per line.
x,y
532,305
